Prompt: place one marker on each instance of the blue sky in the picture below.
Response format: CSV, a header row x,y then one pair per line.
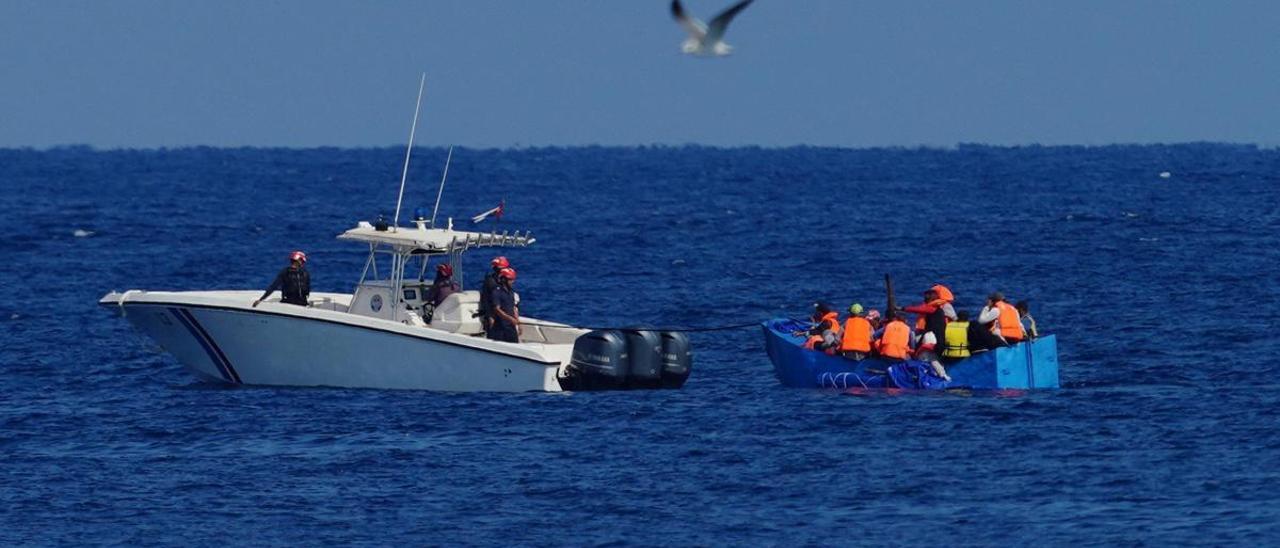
x,y
517,72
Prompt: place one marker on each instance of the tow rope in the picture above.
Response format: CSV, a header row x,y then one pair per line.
x,y
644,328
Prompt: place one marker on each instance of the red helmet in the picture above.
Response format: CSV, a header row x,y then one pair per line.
x,y
444,269
500,262
508,273
298,256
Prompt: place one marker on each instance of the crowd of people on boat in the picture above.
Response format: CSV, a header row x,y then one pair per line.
x,y
939,335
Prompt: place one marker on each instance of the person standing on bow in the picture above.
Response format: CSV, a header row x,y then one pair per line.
x,y
490,283
506,318
293,282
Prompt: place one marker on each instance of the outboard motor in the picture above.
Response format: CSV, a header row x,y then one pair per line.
x,y
599,362
677,359
645,351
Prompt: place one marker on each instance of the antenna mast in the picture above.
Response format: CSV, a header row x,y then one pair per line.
x,y
441,191
395,223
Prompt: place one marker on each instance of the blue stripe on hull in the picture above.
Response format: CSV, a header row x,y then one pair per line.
x,y
226,363
215,354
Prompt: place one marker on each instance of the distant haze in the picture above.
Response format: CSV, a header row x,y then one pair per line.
x,y
514,72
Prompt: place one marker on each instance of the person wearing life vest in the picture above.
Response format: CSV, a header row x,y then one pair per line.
x,y
945,294
955,343
945,300
825,333
1005,328
855,340
294,282
895,343
933,314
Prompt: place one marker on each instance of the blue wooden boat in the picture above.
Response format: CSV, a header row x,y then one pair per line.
x,y
1022,366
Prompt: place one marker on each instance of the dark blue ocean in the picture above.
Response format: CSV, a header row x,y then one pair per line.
x,y
1162,291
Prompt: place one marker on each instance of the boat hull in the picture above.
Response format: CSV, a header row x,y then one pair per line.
x,y
277,344
1028,365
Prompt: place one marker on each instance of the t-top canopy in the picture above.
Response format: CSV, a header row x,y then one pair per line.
x,y
433,240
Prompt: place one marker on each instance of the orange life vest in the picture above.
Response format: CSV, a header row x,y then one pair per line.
x,y
857,335
830,322
944,294
894,342
934,303
1008,325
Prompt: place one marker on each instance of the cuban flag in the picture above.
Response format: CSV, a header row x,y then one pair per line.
x,y
496,212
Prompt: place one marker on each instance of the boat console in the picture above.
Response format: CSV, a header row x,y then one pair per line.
x,y
459,313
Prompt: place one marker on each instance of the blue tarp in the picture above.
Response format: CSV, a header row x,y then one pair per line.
x,y
908,374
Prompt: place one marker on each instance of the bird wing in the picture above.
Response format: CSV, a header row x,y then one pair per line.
x,y
691,24
716,31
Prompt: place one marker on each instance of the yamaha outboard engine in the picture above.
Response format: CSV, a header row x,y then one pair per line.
x,y
599,362
677,359
645,351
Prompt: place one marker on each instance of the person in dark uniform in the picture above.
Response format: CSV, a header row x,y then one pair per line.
x,y
486,291
506,320
293,282
443,286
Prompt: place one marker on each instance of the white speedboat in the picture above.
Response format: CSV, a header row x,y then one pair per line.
x,y
380,336
387,335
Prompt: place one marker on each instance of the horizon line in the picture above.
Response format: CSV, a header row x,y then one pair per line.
x,y
521,147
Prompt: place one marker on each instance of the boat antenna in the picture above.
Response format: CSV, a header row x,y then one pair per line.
x,y
441,191
395,223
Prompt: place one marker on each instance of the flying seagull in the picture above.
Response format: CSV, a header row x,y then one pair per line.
x,y
706,40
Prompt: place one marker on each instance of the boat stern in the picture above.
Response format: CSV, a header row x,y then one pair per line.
x,y
1027,365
